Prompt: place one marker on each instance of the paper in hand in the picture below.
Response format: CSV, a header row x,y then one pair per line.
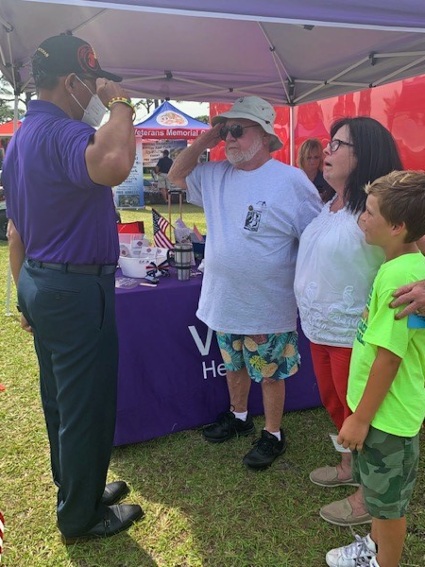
x,y
337,446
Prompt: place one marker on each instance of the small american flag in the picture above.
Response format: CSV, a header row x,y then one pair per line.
x,y
160,225
1,533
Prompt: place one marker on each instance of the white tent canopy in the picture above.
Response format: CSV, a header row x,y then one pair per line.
x,y
287,52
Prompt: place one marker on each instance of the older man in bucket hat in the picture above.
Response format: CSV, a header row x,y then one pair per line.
x,y
256,209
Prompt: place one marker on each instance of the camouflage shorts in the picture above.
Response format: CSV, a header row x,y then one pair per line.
x,y
386,468
264,356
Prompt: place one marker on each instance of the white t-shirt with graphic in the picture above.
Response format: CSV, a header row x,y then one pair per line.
x,y
254,223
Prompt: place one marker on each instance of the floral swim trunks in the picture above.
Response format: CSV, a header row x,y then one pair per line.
x,y
272,356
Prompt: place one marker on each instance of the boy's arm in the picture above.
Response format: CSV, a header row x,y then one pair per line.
x,y
381,376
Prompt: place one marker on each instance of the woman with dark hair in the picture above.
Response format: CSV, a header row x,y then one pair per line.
x,y
335,270
310,160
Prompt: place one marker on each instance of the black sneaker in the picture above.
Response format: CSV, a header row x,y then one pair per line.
x,y
228,426
265,450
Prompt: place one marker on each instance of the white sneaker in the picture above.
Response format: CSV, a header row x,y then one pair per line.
x,y
357,554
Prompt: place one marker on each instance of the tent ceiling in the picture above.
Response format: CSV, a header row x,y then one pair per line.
x,y
218,50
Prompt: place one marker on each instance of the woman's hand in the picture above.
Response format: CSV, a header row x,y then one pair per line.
x,y
413,296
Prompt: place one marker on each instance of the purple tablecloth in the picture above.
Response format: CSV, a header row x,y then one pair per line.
x,y
171,376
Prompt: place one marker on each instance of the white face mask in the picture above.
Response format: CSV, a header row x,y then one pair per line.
x,y
95,110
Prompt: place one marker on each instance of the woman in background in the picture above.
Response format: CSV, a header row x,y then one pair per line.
x,y
310,160
334,273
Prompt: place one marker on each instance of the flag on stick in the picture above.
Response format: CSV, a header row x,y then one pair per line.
x,y
197,234
160,225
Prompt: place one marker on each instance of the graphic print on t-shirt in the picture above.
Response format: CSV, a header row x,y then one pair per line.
x,y
361,329
254,216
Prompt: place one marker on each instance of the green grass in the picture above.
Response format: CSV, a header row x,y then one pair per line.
x,y
203,508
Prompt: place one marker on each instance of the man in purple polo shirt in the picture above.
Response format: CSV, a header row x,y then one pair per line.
x,y
63,247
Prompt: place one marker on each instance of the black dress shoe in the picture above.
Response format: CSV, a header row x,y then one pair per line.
x,y
114,492
118,517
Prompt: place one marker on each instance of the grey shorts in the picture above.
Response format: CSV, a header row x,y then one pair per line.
x,y
163,182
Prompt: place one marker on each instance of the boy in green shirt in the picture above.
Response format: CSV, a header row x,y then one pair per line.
x,y
386,383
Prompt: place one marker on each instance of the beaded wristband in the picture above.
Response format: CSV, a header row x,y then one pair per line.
x,y
123,100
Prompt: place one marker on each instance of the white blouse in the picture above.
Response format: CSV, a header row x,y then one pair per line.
x,y
334,273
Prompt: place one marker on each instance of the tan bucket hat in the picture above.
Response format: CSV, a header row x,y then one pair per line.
x,y
256,109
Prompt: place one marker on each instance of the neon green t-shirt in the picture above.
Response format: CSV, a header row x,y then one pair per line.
x,y
403,408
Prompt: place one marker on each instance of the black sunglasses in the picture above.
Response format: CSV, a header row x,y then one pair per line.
x,y
236,130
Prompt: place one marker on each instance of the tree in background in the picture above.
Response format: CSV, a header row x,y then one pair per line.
x,y
7,99
147,103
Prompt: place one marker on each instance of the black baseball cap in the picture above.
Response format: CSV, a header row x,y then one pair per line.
x,y
63,54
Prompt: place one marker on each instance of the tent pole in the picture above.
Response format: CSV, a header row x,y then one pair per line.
x,y
291,135
169,197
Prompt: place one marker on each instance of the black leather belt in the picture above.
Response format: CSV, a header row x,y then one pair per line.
x,y
87,269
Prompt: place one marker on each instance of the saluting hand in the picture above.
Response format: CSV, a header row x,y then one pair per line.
x,y
107,90
211,137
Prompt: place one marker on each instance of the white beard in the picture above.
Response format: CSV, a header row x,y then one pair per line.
x,y
237,156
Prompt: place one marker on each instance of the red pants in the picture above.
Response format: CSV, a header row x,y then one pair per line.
x,y
331,365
